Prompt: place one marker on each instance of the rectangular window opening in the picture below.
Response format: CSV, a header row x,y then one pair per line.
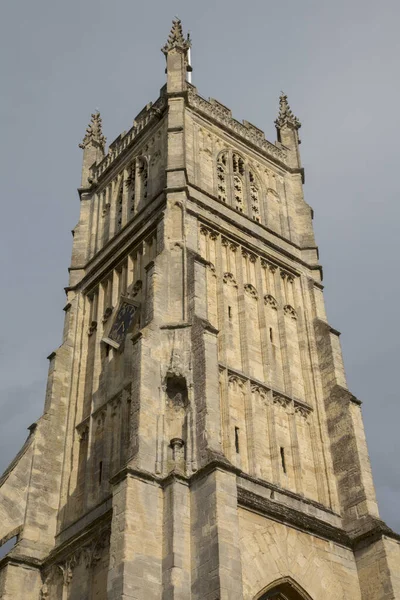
x,y
271,335
237,439
229,312
283,459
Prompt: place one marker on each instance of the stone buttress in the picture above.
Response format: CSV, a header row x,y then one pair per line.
x,y
198,438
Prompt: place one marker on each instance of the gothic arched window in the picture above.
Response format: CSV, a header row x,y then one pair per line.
x,y
237,185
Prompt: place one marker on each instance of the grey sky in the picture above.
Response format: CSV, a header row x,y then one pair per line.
x,y
339,64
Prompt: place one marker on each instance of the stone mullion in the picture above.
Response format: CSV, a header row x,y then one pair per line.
x,y
326,478
281,299
295,449
273,443
221,309
265,350
242,309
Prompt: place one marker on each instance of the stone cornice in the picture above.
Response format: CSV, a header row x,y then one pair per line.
x,y
222,116
151,113
283,514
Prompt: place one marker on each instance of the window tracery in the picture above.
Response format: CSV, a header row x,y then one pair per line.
x,y
143,172
254,197
238,185
221,176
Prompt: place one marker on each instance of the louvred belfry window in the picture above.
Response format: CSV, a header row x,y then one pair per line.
x,y
222,176
237,185
254,198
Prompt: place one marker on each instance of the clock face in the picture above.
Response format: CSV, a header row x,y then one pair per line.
x,y
122,322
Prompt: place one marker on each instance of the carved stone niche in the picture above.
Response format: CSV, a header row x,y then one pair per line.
x,y
176,413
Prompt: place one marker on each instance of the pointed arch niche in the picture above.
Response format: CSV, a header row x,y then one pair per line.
x,y
283,589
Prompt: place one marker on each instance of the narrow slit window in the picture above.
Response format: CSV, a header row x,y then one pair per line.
x,y
229,312
237,439
283,462
100,471
271,335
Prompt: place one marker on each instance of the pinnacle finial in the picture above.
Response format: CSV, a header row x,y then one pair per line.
x,y
286,116
176,39
94,132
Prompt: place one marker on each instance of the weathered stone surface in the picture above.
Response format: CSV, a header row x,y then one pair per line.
x,y
198,438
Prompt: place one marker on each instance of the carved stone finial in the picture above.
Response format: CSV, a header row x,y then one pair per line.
x,y
286,116
94,134
176,39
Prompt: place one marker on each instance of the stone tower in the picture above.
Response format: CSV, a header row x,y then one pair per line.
x,y
198,439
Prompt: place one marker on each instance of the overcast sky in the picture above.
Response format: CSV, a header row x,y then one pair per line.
x,y
338,61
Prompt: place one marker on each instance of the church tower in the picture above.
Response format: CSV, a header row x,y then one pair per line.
x,y
198,439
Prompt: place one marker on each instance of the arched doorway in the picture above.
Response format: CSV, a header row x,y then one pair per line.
x,y
284,589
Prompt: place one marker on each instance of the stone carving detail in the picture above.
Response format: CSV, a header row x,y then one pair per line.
x,y
281,400
206,231
246,254
89,555
269,300
94,135
286,116
44,592
251,290
107,313
254,197
221,176
267,265
258,389
92,327
176,39
290,311
229,278
211,267
223,115
288,276
136,288
228,243
301,410
235,381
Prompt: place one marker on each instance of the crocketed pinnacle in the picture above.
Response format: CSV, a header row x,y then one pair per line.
x,y
176,39
94,134
286,116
